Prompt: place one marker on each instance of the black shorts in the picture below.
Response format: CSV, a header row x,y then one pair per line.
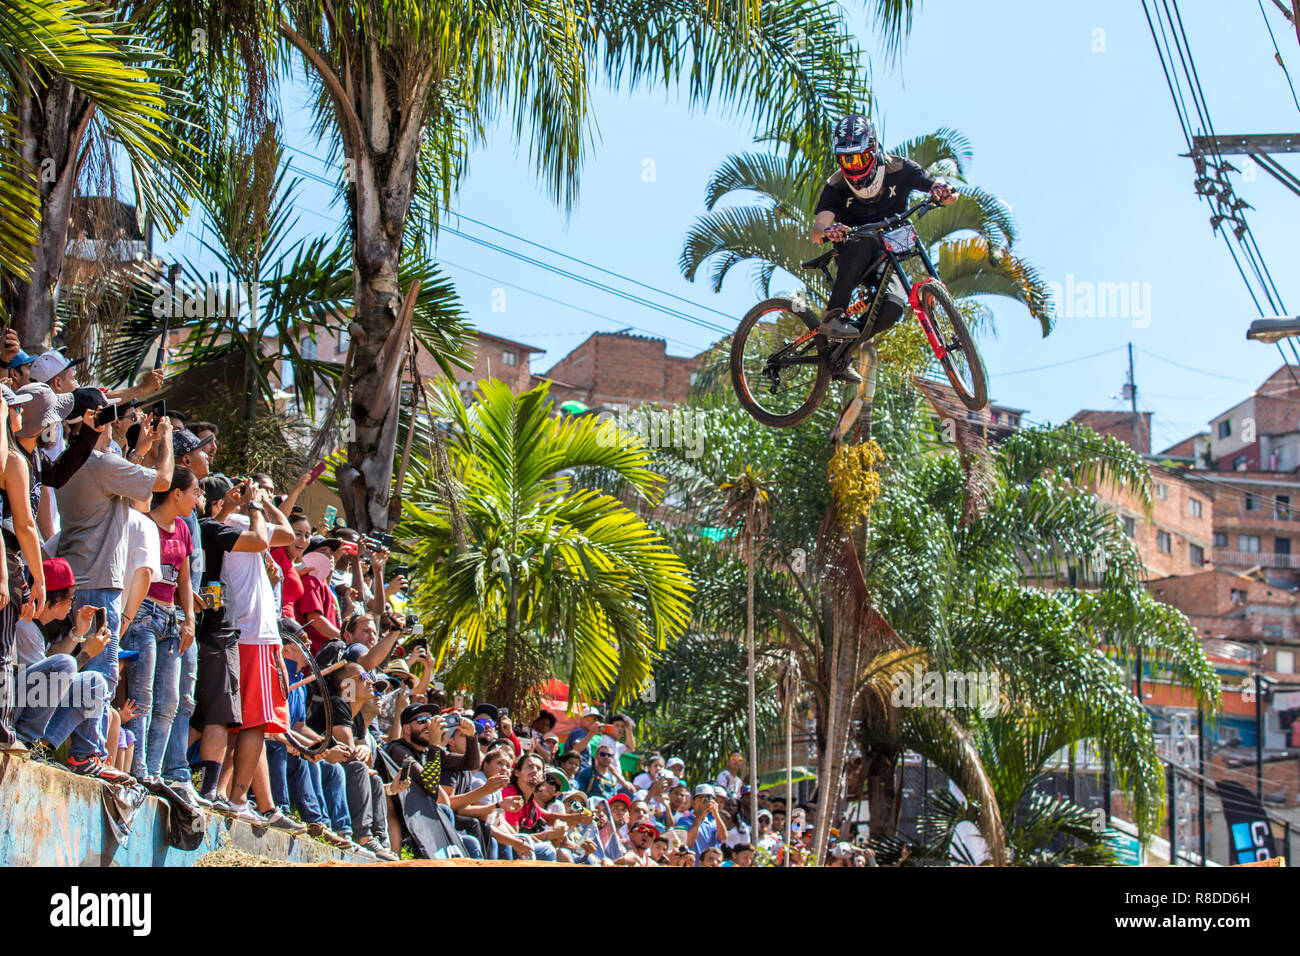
x,y
216,685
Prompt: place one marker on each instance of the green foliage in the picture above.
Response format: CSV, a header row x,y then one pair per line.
x,y
544,561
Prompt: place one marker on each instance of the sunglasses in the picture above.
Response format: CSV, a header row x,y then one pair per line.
x,y
424,719
606,754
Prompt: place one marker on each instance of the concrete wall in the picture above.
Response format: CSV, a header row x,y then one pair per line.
x,y
52,817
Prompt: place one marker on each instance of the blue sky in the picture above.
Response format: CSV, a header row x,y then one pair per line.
x,y
1083,145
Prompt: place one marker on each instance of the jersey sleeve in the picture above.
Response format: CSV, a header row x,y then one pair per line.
x,y
921,180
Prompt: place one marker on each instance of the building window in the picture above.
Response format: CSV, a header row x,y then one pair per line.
x,y
345,339
1282,508
1285,662
1237,595
997,417
1194,507
1197,555
1162,490
1013,421
1272,630
1130,526
1164,542
1249,543
508,358
1252,501
1225,428
1281,545
1220,539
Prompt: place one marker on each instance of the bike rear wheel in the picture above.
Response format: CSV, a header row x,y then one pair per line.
x,y
961,361
785,392
319,688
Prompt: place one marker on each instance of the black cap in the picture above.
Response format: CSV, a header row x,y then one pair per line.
x,y
415,710
490,710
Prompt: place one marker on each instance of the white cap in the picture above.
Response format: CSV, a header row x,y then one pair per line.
x,y
51,363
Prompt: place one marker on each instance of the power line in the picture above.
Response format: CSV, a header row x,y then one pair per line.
x,y
1277,54
1081,358
1188,368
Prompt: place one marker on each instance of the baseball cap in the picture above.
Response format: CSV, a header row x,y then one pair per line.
x,y
644,825
574,795
415,710
51,363
317,542
842,850
681,783
675,762
487,710
593,712
12,398
704,790
354,652
88,398
559,778
216,487
58,574
21,359
291,627
765,813
185,441
46,409
621,798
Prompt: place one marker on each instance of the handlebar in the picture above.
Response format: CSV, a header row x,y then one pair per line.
x,y
884,225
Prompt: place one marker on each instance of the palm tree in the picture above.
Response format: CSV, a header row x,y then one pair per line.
x,y
406,90
748,503
550,578
77,84
970,241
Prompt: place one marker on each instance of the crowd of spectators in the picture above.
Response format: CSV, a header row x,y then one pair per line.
x,y
155,616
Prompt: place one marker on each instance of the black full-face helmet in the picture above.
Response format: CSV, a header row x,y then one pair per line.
x,y
857,148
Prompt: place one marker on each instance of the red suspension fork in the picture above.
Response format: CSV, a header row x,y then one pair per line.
x,y
914,300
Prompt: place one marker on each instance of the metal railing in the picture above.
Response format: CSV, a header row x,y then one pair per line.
x,y
1250,559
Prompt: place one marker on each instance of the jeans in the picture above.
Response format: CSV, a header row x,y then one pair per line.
x,y
541,849
367,802
153,682
56,699
176,764
105,662
333,787
292,783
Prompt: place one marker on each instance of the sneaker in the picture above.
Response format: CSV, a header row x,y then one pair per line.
x,y
340,840
377,848
316,829
245,811
222,805
92,766
359,850
279,821
849,375
185,790
835,326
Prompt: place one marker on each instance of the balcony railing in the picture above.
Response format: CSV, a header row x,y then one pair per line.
x,y
1250,559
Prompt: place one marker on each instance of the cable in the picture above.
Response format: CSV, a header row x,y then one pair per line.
x,y
1277,55
1188,368
1081,358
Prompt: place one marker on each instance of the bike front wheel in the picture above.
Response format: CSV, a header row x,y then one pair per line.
x,y
778,382
960,360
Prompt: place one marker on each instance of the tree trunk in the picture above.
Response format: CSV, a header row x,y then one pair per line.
x,y
52,121
881,792
749,650
789,757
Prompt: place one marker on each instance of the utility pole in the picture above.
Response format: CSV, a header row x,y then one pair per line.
x,y
1132,390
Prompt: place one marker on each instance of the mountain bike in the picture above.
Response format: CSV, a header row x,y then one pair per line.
x,y
781,367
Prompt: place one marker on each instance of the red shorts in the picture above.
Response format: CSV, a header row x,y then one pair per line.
x,y
263,692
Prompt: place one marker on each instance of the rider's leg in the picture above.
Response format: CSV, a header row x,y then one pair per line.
x,y
892,308
852,262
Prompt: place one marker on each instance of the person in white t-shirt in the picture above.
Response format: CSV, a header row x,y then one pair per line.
x,y
733,778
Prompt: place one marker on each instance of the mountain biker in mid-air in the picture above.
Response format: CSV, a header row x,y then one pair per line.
x,y
867,186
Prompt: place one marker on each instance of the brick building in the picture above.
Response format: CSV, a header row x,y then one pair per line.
x,y
1255,520
1119,424
1179,536
1262,432
615,369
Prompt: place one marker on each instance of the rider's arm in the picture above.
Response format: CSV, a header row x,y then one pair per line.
x,y
820,224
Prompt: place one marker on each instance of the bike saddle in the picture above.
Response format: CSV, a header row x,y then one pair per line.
x,y
820,261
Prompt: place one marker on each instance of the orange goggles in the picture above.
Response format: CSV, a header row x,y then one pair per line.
x,y
859,164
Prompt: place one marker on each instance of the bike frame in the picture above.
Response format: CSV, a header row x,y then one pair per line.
x,y
838,356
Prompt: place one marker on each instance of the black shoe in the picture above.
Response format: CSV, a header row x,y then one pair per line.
x,y
849,375
834,326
